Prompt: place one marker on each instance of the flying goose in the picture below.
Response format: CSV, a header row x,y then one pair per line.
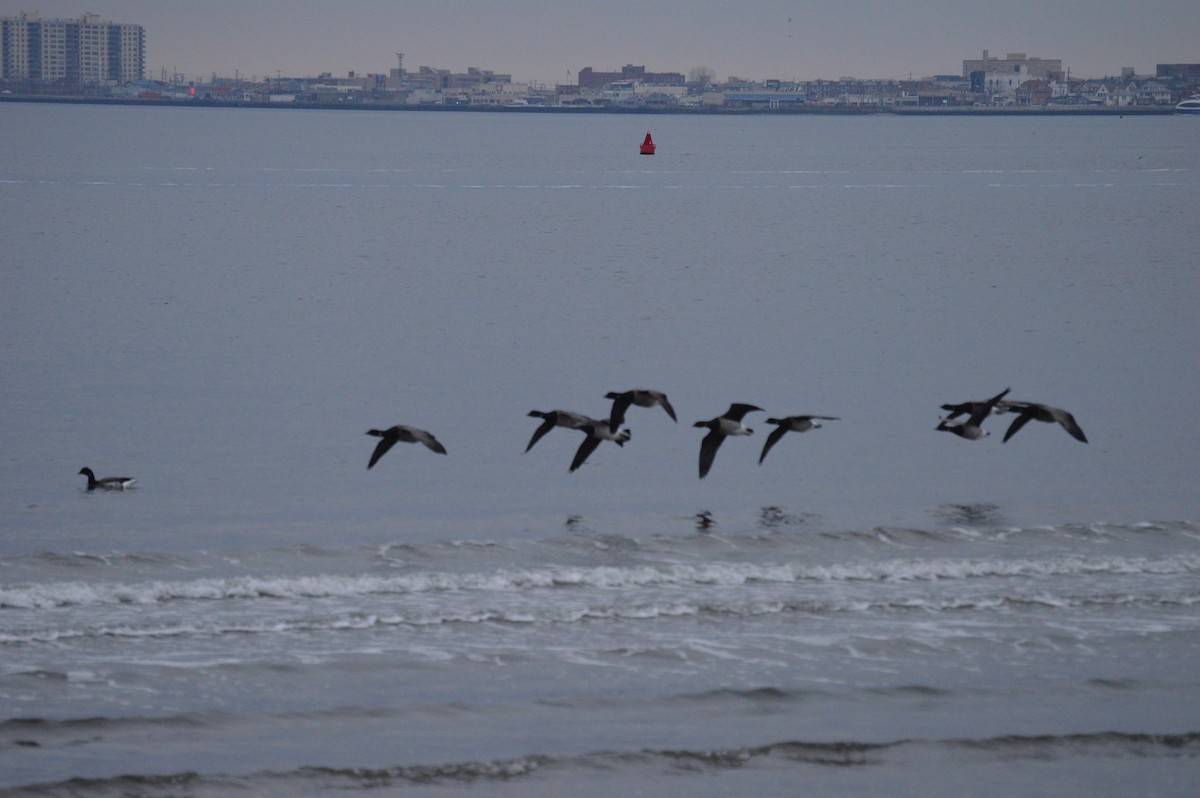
x,y
1040,412
970,429
597,431
557,418
389,437
966,408
729,423
790,424
642,397
107,483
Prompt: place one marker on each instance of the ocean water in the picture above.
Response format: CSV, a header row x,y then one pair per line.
x,y
220,303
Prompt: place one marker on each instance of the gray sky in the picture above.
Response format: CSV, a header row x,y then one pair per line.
x,y
549,41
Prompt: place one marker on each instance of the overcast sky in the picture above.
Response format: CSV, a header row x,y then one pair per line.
x,y
549,41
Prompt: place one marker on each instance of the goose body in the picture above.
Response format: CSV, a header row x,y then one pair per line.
x,y
106,483
392,435
642,397
790,424
971,429
557,418
1045,413
719,428
967,408
597,431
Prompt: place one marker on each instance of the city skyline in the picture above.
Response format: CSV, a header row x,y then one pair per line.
x,y
548,43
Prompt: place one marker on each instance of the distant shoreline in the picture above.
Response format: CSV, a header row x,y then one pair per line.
x,y
802,110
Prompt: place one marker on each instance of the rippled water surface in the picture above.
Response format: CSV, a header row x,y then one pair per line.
x,y
221,302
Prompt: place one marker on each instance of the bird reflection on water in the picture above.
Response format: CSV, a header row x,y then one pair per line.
x,y
971,514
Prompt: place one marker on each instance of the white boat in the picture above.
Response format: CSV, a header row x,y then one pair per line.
x,y
1190,106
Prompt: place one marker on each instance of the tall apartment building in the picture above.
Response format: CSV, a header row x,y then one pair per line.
x,y
71,51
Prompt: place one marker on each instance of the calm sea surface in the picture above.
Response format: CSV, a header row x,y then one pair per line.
x,y
220,303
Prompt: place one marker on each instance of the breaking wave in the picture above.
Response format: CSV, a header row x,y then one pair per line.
x,y
79,593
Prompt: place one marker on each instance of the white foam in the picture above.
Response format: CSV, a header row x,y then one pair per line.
x,y
79,593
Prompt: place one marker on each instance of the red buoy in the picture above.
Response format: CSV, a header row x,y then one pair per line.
x,y
648,145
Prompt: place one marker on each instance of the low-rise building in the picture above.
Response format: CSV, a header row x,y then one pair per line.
x,y
1033,92
590,79
1042,68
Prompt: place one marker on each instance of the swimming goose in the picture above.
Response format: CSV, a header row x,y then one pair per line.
x,y
729,423
642,397
597,431
1040,412
790,424
557,418
107,483
971,429
389,437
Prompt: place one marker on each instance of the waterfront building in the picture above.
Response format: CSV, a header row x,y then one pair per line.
x,y
71,52
590,79
1041,69
1178,71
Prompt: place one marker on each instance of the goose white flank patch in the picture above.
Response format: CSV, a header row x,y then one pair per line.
x,y
972,428
790,424
390,436
106,483
597,431
642,397
557,418
721,427
1044,413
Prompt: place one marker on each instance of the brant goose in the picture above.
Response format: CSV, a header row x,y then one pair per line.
x,y
790,424
729,423
389,437
107,483
597,431
966,408
557,418
642,397
970,429
1040,412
